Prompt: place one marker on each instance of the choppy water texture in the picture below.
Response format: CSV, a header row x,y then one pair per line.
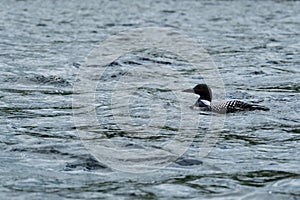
x,y
44,45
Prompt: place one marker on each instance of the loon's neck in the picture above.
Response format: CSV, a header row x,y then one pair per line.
x,y
202,103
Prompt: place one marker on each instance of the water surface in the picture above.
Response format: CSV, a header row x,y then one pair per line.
x,y
43,46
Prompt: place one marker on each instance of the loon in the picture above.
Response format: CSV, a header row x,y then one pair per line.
x,y
204,102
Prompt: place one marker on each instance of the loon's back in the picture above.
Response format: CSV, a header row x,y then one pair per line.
x,y
235,106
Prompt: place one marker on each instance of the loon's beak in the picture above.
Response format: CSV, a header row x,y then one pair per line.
x,y
189,91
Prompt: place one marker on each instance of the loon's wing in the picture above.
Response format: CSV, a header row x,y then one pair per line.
x,y
235,106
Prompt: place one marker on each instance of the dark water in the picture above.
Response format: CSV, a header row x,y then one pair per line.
x,y
44,45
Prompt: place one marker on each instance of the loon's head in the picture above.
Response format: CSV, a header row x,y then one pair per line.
x,y
202,90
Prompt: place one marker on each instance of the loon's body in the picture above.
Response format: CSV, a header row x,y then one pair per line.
x,y
204,102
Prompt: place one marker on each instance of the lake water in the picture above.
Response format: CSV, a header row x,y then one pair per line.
x,y
73,128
